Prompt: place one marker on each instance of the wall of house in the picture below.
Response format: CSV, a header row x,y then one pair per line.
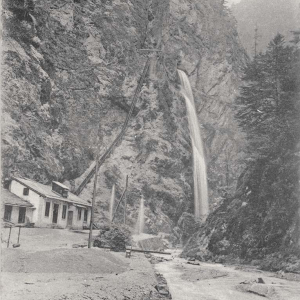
x,y
63,223
15,214
33,197
76,223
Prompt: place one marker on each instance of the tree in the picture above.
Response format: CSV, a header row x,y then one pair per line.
x,y
267,99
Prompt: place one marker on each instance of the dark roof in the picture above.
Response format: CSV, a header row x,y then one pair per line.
x,y
61,185
11,199
46,191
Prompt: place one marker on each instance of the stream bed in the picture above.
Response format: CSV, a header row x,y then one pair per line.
x,y
208,281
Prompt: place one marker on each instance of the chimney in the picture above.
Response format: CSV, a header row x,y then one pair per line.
x,y
6,183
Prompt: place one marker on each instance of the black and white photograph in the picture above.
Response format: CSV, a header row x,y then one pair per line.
x,y
150,149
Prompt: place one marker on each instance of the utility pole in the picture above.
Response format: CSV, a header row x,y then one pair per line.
x,y
93,204
125,200
99,140
121,199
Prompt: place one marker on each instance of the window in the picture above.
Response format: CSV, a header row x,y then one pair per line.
x,y
22,214
65,193
26,191
85,215
7,212
47,210
64,212
79,213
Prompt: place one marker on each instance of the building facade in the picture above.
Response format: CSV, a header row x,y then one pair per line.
x,y
15,210
52,206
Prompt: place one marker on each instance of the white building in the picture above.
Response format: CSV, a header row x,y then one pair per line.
x,y
52,206
16,210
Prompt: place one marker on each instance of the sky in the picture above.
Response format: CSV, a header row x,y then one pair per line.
x,y
230,2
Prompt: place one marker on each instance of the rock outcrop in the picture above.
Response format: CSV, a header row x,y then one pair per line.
x,y
72,66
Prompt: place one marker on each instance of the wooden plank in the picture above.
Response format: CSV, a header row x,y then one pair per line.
x,y
125,201
150,251
139,250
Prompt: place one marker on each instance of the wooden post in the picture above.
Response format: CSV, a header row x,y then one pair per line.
x,y
9,237
19,235
125,200
122,197
93,204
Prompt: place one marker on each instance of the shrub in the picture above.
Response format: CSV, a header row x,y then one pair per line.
x,y
117,237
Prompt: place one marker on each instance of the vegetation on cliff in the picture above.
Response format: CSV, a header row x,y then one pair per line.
x,y
263,217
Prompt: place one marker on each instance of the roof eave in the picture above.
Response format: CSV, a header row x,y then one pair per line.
x,y
66,200
21,205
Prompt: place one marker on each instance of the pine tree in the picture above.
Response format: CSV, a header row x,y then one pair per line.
x,y
266,102
269,114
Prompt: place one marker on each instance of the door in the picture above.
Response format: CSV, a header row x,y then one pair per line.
x,y
70,218
55,213
22,214
7,212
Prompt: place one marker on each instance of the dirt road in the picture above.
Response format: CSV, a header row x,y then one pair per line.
x,y
218,282
46,267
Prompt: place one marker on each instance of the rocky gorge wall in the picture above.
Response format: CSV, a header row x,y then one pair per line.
x,y
70,66
260,224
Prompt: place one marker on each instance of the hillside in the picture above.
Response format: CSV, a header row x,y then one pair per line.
x,y
70,66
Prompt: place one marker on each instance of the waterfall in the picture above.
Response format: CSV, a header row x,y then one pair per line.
x,y
112,202
141,218
199,167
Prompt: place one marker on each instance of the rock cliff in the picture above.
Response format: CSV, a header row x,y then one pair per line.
x,y
70,69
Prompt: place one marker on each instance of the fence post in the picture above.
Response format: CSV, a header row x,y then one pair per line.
x,y
9,237
125,200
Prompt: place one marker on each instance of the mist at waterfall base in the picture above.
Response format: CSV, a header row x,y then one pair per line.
x,y
141,218
112,202
199,166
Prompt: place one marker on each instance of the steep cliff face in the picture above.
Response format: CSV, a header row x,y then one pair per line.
x,y
70,66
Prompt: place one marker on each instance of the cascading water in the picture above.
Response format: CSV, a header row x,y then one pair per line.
x,y
199,167
141,218
112,202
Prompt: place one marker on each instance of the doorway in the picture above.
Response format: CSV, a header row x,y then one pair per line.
x,y
70,218
22,214
55,213
7,212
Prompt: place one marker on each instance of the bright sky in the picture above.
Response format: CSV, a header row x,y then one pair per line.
x,y
232,1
